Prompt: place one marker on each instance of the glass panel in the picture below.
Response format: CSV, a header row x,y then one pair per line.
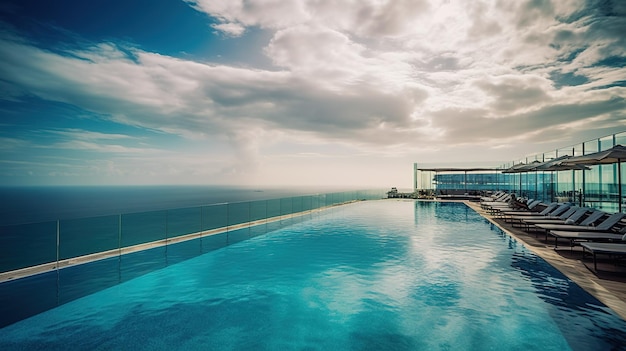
x,y
425,181
88,278
273,208
620,139
566,151
238,213
296,204
546,187
258,210
317,201
27,245
547,179
565,186
347,196
593,186
214,216
606,143
285,206
528,184
323,199
25,297
327,200
307,203
79,237
184,221
144,227
344,196
547,156
331,199
578,188
591,146
578,149
361,195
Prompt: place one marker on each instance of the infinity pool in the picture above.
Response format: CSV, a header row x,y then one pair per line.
x,y
374,275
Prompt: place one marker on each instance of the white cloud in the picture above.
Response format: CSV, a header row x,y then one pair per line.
x,y
230,29
380,78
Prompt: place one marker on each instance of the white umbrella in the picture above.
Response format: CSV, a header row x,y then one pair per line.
x,y
613,155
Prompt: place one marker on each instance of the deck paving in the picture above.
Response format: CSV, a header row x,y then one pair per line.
x,y
608,285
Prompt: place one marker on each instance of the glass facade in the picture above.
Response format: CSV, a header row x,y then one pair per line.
x,y
595,187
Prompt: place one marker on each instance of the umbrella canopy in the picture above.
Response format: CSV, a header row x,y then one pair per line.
x,y
515,168
613,155
529,167
559,164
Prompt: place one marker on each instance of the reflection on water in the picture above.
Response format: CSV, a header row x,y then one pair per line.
x,y
383,275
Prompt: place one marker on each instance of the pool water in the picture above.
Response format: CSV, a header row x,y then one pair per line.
x,y
374,275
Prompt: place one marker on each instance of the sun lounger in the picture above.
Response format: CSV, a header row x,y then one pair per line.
x,y
572,216
556,211
510,205
551,207
504,197
604,226
573,237
499,201
609,224
562,212
492,196
503,211
611,249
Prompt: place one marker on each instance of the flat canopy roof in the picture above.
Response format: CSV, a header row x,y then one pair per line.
x,y
458,169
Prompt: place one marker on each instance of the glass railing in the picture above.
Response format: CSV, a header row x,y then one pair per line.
x,y
57,244
597,187
63,260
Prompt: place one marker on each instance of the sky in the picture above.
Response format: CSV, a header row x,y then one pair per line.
x,y
346,93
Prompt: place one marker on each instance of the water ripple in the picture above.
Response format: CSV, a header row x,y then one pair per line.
x,y
376,275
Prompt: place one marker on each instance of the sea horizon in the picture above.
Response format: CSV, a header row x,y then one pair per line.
x,y
41,203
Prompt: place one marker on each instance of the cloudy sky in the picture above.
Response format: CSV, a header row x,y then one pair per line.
x,y
299,92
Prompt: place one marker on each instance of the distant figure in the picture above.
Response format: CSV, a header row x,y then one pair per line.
x,y
517,203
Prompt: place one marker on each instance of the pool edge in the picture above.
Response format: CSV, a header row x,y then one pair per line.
x,y
574,269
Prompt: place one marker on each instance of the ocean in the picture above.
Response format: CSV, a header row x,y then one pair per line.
x,y
20,205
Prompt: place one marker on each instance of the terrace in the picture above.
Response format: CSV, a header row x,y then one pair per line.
x,y
593,185
548,178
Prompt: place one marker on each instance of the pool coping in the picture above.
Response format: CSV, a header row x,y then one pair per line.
x,y
610,293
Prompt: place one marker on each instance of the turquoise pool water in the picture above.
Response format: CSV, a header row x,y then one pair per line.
x,y
375,275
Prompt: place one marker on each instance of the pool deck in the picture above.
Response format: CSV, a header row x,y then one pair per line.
x,y
607,285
